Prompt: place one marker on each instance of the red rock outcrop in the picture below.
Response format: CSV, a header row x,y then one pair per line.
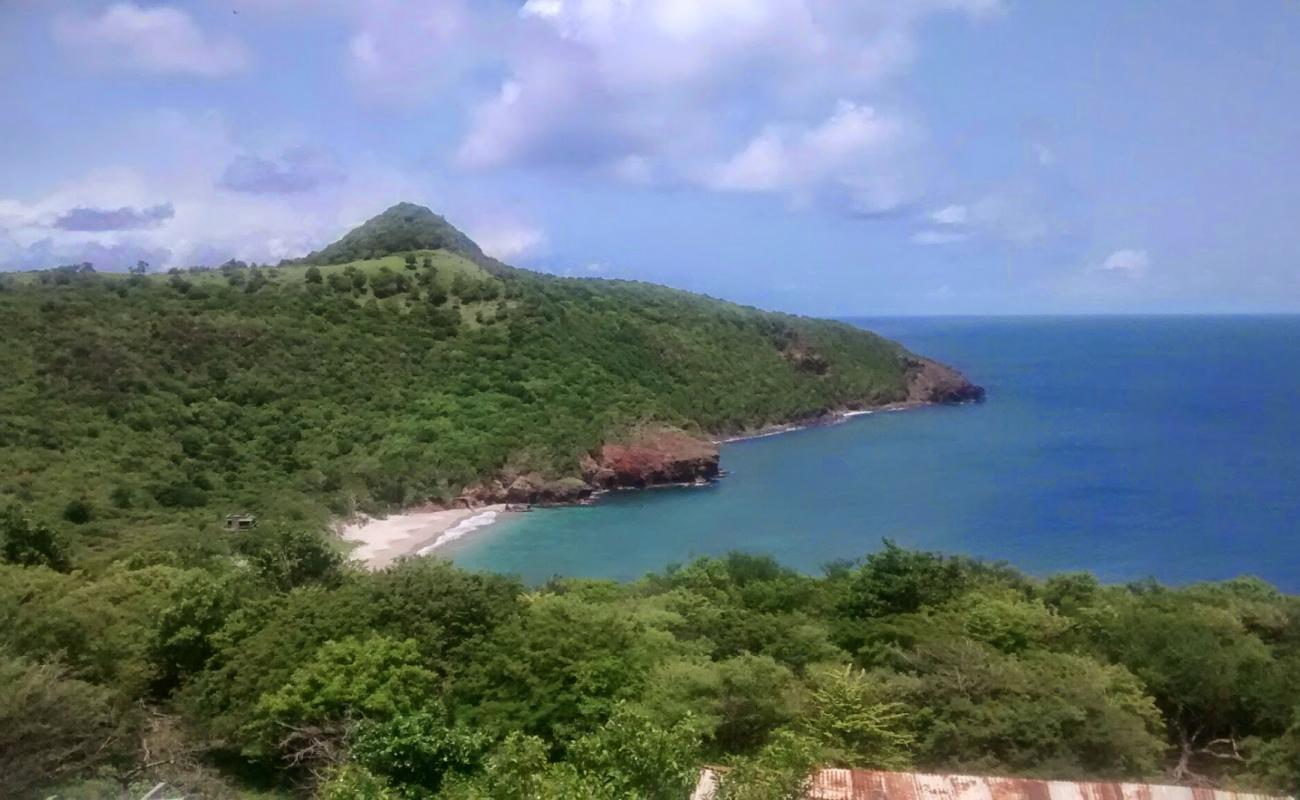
x,y
931,382
652,458
659,456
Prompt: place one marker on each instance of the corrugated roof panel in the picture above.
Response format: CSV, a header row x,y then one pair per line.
x,y
845,784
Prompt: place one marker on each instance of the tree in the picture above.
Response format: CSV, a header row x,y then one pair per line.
x,y
78,511
340,282
410,261
313,275
631,757
556,670
30,544
519,770
182,644
376,678
427,263
53,727
898,581
291,556
782,770
141,267
860,729
736,703
354,782
417,750
1204,669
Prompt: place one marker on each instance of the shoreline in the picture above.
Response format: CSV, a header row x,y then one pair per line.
x,y
830,419
414,532
421,531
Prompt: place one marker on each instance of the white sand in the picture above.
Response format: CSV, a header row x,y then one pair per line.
x,y
382,541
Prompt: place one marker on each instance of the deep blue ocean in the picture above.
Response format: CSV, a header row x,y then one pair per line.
x,y
1133,447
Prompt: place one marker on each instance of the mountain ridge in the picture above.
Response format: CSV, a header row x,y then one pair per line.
x,y
400,228
316,390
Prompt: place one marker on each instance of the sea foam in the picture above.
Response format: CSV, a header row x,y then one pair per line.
x,y
462,528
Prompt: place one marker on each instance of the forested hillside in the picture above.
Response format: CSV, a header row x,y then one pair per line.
x,y
141,643
147,407
282,673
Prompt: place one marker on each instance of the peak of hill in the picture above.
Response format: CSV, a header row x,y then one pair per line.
x,y
395,367
403,228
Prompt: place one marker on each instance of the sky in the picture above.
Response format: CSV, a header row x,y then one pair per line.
x,y
814,156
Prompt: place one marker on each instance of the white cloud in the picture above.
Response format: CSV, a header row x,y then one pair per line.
x,y
1017,214
721,93
1126,261
189,154
404,52
939,237
950,215
1045,155
159,40
507,239
853,151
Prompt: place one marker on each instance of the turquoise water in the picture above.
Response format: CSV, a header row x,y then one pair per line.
x,y
1131,447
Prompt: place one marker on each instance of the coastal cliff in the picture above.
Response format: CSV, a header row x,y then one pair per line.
x,y
392,370
665,456
931,382
656,456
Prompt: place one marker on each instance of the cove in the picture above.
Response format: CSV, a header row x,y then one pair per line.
x,y
1131,447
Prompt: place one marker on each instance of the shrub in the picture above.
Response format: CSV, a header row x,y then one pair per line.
x,y
30,544
78,511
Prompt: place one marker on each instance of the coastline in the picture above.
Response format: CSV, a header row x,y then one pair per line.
x,y
415,532
421,531
837,417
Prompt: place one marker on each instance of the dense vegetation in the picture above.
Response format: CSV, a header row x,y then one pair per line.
x,y
404,227
144,408
279,671
139,643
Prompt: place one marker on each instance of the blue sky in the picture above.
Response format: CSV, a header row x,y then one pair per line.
x,y
816,156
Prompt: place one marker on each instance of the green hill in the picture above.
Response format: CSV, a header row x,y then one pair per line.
x,y
164,402
141,645
401,228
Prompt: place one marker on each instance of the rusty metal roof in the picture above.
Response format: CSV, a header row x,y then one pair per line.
x,y
861,784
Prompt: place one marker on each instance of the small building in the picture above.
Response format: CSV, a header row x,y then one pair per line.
x,y
241,522
861,784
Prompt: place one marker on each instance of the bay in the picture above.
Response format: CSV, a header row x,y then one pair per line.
x,y
1131,447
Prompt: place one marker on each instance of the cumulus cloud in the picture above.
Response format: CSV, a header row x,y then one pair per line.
x,y
47,252
159,40
298,169
1126,261
404,52
1016,214
852,155
114,219
507,239
724,94
950,215
188,156
931,237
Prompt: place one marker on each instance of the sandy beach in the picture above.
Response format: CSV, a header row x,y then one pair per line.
x,y
382,541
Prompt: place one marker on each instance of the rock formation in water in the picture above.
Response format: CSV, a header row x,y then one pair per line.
x,y
931,382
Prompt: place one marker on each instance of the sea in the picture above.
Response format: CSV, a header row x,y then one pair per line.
x,y
1130,447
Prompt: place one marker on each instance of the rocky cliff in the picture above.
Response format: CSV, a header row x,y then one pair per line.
x,y
656,456
660,456
931,382
652,458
